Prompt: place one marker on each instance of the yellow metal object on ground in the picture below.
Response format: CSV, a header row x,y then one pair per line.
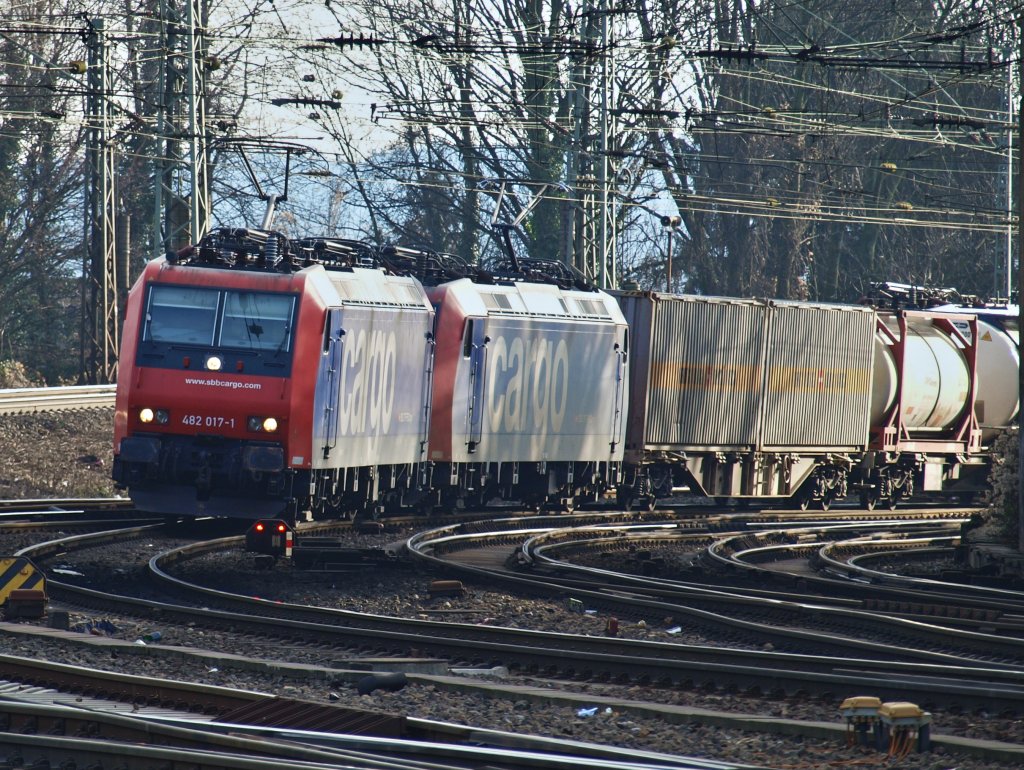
x,y
18,572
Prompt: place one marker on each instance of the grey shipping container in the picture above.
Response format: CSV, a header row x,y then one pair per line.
x,y
727,375
817,390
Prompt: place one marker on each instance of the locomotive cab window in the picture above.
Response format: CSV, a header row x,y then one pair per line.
x,y
181,314
257,321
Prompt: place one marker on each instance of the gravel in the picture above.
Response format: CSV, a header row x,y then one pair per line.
x,y
65,443
56,454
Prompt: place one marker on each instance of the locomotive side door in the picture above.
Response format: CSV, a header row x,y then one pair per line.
x,y
474,348
330,364
621,360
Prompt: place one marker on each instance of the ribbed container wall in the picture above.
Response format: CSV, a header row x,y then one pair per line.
x,y
704,364
819,374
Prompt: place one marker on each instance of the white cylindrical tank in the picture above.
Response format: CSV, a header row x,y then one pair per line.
x,y
998,360
936,378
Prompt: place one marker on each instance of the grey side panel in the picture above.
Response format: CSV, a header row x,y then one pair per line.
x,y
550,392
371,391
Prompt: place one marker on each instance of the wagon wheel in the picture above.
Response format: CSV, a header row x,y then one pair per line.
x,y
868,500
891,501
825,503
804,502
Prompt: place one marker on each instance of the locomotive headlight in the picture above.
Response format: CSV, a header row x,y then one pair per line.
x,y
257,424
214,363
159,416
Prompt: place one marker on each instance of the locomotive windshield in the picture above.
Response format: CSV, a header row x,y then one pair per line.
x,y
182,314
243,320
257,321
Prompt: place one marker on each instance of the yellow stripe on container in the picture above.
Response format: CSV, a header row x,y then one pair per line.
x,y
707,377
812,379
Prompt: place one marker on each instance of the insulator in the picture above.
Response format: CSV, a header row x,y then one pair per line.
x,y
270,251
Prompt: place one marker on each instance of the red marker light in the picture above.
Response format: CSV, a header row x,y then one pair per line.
x,y
281,527
259,526
239,366
186,362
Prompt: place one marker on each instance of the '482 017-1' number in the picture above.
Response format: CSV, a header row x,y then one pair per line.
x,y
207,421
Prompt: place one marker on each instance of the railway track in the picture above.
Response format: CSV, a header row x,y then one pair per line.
x,y
933,676
63,716
706,572
932,685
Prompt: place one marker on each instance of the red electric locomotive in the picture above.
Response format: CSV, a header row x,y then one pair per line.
x,y
529,393
261,378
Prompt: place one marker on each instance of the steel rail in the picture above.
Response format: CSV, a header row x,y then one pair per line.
x,y
956,607
61,506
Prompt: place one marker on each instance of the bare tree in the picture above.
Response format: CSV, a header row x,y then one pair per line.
x,y
41,233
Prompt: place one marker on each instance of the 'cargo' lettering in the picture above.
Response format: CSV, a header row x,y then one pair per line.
x,y
367,394
528,385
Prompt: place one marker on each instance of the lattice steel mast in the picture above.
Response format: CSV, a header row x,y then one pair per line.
x,y
101,321
181,207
